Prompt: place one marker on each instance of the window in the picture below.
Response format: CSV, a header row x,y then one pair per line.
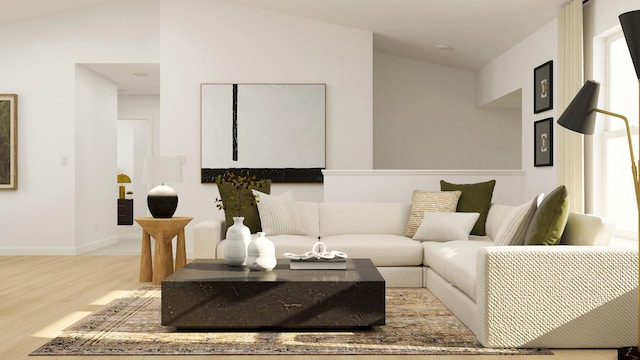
x,y
620,95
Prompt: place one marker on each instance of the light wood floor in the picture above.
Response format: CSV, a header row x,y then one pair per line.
x,y
41,295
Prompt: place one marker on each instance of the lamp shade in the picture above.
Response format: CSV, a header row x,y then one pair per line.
x,y
124,179
162,169
579,116
630,22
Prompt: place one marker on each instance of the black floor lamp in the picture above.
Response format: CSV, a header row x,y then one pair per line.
x,y
580,115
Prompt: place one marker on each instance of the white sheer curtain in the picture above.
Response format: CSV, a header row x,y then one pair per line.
x,y
570,146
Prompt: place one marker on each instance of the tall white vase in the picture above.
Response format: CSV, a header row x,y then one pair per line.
x,y
238,238
261,254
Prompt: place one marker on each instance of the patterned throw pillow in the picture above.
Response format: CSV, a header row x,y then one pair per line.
x,y
433,201
515,226
278,214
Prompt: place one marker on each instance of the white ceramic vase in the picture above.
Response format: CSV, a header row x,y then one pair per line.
x,y
237,239
261,254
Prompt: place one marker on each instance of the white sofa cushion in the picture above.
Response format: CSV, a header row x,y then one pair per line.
x,y
589,230
446,226
455,261
383,250
308,214
363,218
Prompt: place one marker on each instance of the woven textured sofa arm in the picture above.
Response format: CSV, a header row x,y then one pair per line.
x,y
206,236
557,296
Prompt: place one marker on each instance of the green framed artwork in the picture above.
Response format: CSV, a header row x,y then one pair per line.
x,y
8,141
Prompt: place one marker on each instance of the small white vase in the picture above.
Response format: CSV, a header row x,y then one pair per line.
x,y
237,239
261,254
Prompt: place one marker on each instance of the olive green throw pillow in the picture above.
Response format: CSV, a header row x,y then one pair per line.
x,y
251,216
474,198
548,222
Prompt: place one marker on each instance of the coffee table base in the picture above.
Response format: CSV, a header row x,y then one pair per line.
x,y
279,299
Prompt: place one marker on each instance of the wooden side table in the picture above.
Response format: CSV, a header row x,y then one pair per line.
x,y
163,231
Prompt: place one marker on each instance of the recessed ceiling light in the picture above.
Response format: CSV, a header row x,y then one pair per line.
x,y
140,74
444,47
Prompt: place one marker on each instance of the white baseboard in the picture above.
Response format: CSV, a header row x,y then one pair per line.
x,y
97,245
58,251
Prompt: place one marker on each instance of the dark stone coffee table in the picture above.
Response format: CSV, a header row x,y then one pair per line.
x,y
207,294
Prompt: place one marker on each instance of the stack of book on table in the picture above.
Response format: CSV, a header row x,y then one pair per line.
x,y
318,264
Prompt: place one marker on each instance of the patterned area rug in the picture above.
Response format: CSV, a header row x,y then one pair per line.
x,y
416,323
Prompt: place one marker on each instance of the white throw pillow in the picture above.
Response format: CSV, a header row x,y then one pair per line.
x,y
515,226
446,226
278,214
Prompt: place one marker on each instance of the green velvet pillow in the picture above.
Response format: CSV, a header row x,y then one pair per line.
x,y
251,216
550,218
475,198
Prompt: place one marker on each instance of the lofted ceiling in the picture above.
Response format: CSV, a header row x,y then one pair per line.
x,y
472,32
464,34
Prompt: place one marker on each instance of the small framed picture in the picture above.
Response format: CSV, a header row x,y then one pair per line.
x,y
8,141
543,142
543,87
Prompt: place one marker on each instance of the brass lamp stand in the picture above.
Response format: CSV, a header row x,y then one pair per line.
x,y
580,117
630,22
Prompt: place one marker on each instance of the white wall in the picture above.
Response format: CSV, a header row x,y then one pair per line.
x,y
511,71
38,61
220,42
426,117
197,46
95,157
144,112
398,185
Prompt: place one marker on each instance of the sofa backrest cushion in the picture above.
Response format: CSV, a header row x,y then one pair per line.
x,y
363,218
308,214
582,229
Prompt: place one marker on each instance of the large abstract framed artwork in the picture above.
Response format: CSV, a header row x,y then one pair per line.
x,y
543,87
274,131
8,141
543,142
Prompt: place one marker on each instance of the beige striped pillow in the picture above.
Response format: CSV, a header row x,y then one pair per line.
x,y
278,214
514,228
432,201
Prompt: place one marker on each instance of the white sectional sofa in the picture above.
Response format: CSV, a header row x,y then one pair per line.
x,y
562,296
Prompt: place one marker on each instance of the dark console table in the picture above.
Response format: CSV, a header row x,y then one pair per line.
x,y
208,294
125,211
